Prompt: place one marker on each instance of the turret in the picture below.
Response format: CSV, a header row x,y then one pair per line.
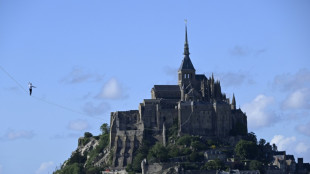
x,y
233,103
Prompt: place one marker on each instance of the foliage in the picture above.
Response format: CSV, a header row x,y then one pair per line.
x,y
265,152
184,140
251,137
136,164
88,135
103,142
73,168
196,157
256,165
76,157
189,166
129,168
104,128
174,151
198,145
83,141
173,130
93,170
140,155
274,147
246,149
211,142
214,165
158,152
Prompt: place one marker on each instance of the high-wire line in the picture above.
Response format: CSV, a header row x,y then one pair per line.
x,y
43,100
11,77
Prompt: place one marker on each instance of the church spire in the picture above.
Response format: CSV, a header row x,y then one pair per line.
x,y
186,72
186,49
186,63
233,103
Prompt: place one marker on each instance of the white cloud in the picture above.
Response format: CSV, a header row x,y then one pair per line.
x,y
234,79
78,75
304,129
111,90
239,51
14,135
44,167
78,125
301,148
92,110
290,82
245,51
299,99
66,136
283,143
258,112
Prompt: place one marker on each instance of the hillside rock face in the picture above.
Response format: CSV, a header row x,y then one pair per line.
x,y
196,105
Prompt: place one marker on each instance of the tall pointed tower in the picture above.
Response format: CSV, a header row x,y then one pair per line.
x,y
233,103
186,73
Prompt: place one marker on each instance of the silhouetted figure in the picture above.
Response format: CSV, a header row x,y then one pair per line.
x,y
30,88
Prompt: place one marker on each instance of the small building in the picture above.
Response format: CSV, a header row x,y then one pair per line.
x,y
213,154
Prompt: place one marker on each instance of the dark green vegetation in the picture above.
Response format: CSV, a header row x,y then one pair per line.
x,y
80,164
189,151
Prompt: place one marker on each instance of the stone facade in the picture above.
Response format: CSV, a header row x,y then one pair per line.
x,y
196,104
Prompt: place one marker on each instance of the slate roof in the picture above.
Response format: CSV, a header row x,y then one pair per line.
x,y
186,64
166,88
200,77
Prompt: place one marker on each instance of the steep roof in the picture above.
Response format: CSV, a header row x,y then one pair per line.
x,y
186,64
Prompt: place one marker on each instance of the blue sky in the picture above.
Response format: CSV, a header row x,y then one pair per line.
x,y
90,58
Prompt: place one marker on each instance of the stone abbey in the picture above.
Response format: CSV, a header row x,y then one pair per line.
x,y
196,105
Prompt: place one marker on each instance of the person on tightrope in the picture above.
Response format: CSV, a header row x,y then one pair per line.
x,y
30,88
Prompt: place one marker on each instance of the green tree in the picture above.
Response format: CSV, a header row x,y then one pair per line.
x,y
136,164
256,165
185,140
104,128
196,157
74,168
214,165
251,137
197,145
174,151
88,135
158,152
246,149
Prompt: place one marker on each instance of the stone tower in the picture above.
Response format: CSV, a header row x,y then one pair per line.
x,y
186,73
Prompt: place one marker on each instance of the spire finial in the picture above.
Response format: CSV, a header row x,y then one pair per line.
x,y
186,49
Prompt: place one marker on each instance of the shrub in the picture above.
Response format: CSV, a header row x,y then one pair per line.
x,y
214,165
74,168
196,157
158,152
246,149
88,135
